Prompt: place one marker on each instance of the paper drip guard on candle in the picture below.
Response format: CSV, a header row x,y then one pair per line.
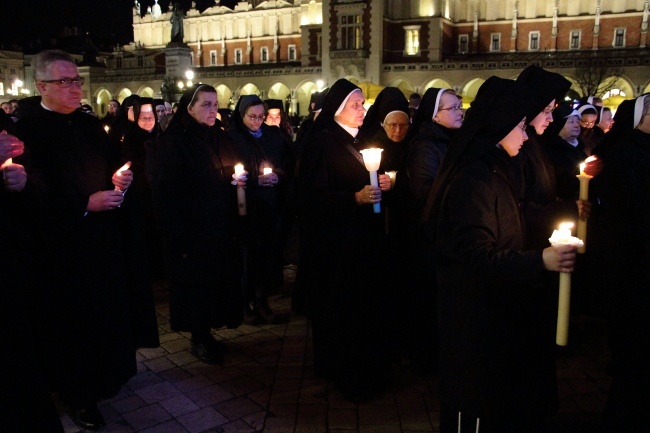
x,y
119,173
241,193
584,179
372,159
558,238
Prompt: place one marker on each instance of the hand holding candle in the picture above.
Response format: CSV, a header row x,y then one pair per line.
x,y
239,180
562,237
268,178
372,159
123,177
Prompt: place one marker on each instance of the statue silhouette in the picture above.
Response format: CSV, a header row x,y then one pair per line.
x,y
177,23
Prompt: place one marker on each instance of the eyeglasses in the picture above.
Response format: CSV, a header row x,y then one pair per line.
x,y
394,126
585,123
256,118
66,82
454,108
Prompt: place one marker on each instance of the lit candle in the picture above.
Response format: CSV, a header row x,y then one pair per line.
x,y
584,179
241,193
107,128
392,175
267,170
372,159
562,236
119,172
9,161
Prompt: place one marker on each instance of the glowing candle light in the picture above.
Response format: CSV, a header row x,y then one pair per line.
x,y
120,171
372,159
107,128
393,176
241,193
267,170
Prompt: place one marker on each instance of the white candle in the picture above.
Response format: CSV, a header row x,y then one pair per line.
x,y
393,176
372,159
584,179
562,236
267,170
241,193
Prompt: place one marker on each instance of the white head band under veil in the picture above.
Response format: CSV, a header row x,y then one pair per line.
x,y
638,110
437,105
394,111
342,106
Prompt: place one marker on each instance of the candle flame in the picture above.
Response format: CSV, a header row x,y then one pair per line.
x,y
124,167
565,226
239,169
591,158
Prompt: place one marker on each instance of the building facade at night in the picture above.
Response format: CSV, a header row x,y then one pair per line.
x,y
288,49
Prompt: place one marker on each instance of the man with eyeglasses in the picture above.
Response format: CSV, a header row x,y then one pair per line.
x,y
83,292
111,115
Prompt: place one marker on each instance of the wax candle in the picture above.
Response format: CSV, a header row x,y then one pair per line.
x,y
241,193
393,176
119,173
107,128
562,236
584,179
372,159
267,170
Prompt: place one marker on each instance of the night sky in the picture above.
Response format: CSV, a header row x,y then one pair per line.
x,y
108,22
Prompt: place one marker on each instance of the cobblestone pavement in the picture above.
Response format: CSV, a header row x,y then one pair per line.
x,y
267,385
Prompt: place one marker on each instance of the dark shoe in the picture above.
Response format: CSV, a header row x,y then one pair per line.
x,y
207,352
89,418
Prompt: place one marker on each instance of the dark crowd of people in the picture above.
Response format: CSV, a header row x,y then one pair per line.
x,y
442,260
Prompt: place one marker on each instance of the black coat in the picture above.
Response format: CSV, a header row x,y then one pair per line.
x,y
94,290
342,246
625,235
496,318
196,207
566,160
426,150
537,190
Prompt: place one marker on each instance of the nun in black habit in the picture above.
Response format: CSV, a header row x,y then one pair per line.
x,y
344,242
624,195
497,367
196,208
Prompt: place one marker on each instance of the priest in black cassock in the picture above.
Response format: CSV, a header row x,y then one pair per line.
x,y
94,296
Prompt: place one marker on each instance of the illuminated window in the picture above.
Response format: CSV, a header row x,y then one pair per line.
x,y
463,43
411,40
575,39
2,89
292,53
238,56
213,57
495,44
350,32
619,37
264,54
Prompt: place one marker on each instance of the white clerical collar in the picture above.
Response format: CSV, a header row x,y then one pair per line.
x,y
45,106
352,131
573,142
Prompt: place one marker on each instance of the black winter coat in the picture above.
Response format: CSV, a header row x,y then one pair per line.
x,y
196,207
496,319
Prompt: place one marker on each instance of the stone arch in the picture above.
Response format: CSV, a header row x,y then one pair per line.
x,y
469,90
102,98
437,83
122,94
224,96
403,85
146,92
624,89
282,92
646,88
302,96
249,89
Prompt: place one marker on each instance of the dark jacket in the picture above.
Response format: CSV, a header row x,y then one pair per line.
x,y
196,207
496,340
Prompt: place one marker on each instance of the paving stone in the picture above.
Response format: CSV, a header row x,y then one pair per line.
x,y
237,408
171,426
202,420
209,395
146,416
157,392
179,405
